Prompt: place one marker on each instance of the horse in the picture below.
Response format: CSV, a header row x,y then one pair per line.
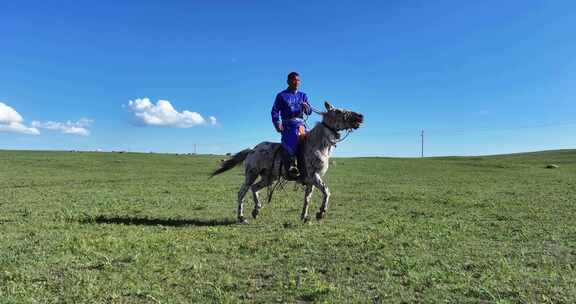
x,y
264,161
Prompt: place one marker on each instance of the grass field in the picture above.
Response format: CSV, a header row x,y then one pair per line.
x,y
151,228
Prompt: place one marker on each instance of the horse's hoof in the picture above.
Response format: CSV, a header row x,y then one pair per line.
x,y
255,213
305,218
320,215
242,221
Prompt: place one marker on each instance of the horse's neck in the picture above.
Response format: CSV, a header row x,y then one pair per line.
x,y
321,139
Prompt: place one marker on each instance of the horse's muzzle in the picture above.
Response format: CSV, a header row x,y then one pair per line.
x,y
357,120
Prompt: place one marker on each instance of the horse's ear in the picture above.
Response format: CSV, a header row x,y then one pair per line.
x,y
328,106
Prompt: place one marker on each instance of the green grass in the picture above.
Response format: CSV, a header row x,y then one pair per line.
x,y
151,228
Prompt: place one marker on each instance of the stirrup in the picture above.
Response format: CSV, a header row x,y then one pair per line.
x,y
292,174
294,171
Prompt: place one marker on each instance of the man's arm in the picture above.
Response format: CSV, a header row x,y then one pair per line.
x,y
276,114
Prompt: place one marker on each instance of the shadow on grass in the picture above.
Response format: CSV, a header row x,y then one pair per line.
x,y
157,222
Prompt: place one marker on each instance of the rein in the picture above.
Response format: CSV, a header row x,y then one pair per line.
x,y
316,110
335,132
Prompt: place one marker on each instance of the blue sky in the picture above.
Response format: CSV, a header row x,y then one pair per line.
x,y
480,77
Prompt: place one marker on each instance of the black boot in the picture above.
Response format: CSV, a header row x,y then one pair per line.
x,y
290,167
293,171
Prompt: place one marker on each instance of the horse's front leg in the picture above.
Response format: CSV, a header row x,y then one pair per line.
x,y
307,197
326,196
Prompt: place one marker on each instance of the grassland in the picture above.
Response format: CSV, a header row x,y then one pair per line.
x,y
151,228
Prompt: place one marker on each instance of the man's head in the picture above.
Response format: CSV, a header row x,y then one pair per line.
x,y
293,81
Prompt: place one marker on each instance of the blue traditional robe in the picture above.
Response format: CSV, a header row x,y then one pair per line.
x,y
289,106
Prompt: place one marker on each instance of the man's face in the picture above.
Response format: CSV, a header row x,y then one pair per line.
x,y
294,82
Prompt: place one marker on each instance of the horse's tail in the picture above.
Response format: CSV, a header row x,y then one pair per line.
x,y
237,159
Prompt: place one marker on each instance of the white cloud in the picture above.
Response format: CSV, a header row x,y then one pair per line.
x,y
8,114
11,121
75,128
163,114
15,127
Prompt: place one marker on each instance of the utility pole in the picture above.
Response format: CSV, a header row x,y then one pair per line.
x,y
194,149
422,135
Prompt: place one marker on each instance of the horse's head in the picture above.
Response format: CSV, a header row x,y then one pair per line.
x,y
341,119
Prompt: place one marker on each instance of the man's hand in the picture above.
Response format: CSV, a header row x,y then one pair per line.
x,y
306,108
279,128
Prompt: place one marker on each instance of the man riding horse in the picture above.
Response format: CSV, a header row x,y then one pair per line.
x,y
262,167
291,105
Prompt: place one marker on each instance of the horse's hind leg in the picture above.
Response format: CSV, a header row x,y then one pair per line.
x,y
264,182
249,178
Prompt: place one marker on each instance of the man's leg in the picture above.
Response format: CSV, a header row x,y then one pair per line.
x,y
290,145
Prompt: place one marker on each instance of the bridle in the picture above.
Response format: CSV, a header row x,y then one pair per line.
x,y
336,133
339,139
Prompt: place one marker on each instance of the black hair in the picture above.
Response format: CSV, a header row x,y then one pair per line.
x,y
292,75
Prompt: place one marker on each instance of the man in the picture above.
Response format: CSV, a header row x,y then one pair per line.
x,y
291,105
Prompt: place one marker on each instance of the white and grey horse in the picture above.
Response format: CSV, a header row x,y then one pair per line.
x,y
265,161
